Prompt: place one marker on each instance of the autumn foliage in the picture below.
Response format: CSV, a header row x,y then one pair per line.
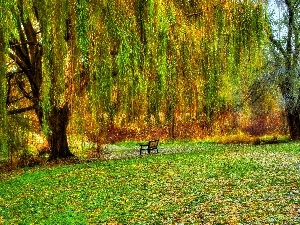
x,y
119,70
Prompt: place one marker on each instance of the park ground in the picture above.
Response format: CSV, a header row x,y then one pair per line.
x,y
185,183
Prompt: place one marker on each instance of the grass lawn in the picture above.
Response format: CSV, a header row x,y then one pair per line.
x,y
211,184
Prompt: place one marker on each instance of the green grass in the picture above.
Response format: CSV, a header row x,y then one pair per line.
x,y
212,184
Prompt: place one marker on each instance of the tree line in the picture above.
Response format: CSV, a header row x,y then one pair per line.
x,y
125,62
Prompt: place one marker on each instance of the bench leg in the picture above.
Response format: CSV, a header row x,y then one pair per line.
x,y
143,150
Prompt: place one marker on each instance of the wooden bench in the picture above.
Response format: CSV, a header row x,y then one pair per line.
x,y
150,146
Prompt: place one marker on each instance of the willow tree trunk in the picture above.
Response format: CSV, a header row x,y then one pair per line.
x,y
57,138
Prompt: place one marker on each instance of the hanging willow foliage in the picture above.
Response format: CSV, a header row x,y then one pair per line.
x,y
229,35
4,26
125,62
145,51
3,90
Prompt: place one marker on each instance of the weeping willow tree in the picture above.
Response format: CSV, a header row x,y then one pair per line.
x,y
123,61
225,40
41,48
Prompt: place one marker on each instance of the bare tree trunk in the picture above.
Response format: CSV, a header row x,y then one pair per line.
x,y
292,107
293,122
292,111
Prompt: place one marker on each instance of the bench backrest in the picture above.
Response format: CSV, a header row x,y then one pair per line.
x,y
153,144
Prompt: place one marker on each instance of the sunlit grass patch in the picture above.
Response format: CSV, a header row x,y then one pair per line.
x,y
225,184
243,138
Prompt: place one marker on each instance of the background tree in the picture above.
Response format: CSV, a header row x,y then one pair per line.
x,y
283,63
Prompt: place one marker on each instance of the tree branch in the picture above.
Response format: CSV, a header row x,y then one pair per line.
x,y
23,54
296,28
22,110
290,27
278,45
24,43
20,63
14,100
195,14
11,74
22,89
